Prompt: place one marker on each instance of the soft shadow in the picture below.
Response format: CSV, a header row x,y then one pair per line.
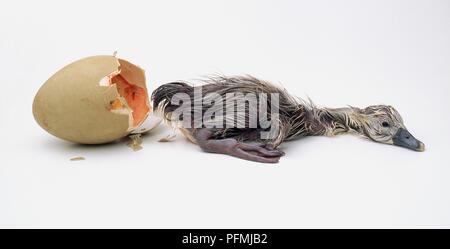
x,y
56,144
294,145
59,144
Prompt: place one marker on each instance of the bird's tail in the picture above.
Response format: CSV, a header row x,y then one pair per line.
x,y
162,97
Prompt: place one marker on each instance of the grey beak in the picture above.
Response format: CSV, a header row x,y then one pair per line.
x,y
404,139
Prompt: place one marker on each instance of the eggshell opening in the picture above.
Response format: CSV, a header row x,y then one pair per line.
x,y
133,97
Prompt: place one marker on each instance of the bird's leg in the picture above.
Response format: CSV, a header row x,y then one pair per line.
x,y
257,152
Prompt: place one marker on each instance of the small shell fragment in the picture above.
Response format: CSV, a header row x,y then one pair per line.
x,y
168,138
78,158
148,125
135,142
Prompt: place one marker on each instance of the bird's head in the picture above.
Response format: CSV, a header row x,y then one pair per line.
x,y
383,124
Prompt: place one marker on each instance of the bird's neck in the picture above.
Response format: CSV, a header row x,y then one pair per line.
x,y
334,121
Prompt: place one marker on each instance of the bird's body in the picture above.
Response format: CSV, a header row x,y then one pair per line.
x,y
226,113
294,114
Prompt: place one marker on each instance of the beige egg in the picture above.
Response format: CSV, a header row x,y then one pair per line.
x,y
94,100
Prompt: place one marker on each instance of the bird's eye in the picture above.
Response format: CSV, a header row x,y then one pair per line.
x,y
385,124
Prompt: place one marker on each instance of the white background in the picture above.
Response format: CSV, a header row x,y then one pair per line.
x,y
336,52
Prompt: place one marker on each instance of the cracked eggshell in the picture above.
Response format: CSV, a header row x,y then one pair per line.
x,y
94,100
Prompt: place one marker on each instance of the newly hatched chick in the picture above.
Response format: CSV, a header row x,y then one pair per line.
x,y
220,117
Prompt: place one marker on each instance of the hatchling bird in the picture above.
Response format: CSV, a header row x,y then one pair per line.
x,y
230,129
